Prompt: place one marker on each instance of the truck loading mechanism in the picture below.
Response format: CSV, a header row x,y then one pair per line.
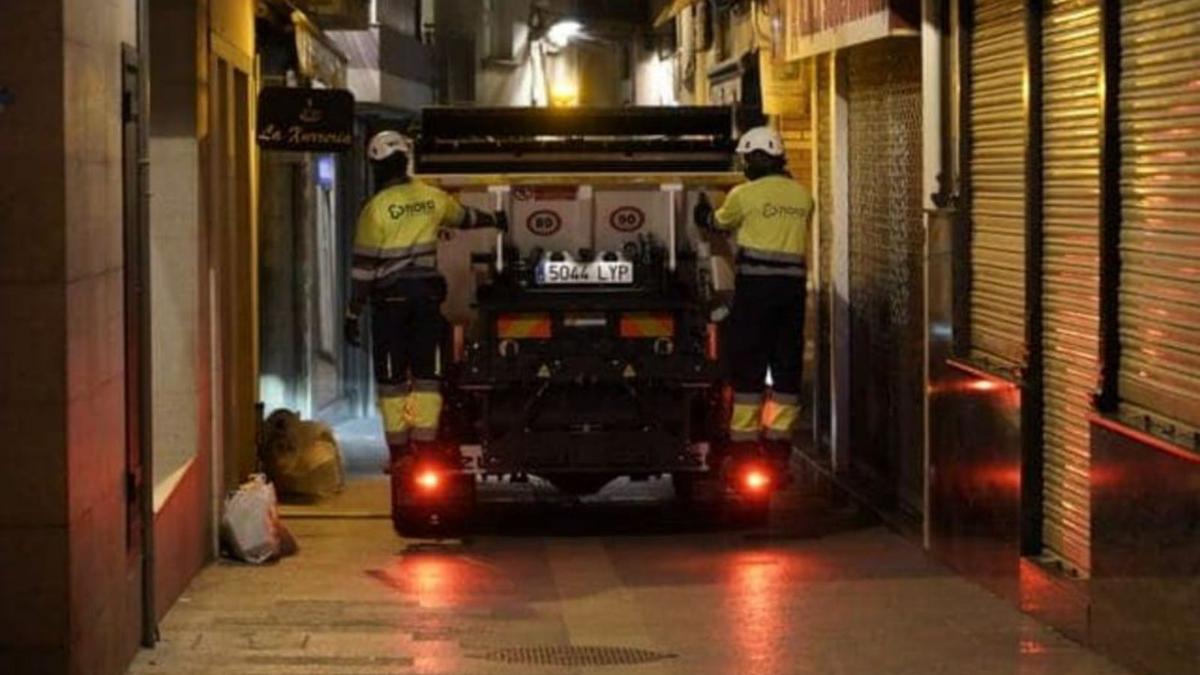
x,y
587,349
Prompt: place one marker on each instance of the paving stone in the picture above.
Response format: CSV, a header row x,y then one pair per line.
x,y
634,581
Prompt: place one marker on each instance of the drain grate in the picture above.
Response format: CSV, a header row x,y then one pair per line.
x,y
570,655
284,660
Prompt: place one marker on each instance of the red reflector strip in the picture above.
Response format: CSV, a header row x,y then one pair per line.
x,y
523,327
647,325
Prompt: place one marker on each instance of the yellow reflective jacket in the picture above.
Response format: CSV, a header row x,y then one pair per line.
x,y
397,232
771,217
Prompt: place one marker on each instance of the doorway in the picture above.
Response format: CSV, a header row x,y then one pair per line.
x,y
232,251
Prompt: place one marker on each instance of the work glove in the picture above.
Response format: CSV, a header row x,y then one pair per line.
x,y
352,330
702,214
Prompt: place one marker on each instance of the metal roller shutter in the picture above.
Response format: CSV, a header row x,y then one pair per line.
x,y
796,130
1071,282
883,97
1160,193
997,166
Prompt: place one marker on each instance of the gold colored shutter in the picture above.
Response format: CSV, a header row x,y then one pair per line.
x,y
998,132
1071,72
796,129
1160,192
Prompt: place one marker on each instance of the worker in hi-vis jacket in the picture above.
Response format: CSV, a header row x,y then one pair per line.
x,y
770,216
395,272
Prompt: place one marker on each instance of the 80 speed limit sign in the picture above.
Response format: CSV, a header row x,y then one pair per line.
x,y
543,222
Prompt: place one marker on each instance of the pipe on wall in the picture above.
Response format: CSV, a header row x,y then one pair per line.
x,y
144,366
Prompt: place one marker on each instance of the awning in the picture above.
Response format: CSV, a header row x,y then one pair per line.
x,y
672,10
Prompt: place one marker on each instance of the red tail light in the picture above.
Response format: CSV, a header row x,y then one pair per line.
x,y
755,479
428,479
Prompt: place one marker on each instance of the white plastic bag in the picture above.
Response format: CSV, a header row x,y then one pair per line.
x,y
250,526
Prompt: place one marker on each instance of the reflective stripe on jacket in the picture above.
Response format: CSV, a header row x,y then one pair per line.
x,y
771,217
397,232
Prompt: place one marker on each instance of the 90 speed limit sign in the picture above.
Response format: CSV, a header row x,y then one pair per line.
x,y
627,219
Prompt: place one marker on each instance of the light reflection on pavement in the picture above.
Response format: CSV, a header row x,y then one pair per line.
x,y
626,578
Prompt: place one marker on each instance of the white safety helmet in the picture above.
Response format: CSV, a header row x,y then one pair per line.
x,y
765,139
385,144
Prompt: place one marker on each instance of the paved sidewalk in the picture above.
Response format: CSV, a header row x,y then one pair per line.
x,y
605,588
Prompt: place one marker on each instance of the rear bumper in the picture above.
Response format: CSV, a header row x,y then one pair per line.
x,y
609,452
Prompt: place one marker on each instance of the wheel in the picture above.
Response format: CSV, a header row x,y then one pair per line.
x,y
693,488
684,485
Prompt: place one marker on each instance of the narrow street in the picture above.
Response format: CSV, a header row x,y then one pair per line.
x,y
835,337
626,583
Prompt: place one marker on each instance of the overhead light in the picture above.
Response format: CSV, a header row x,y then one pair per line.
x,y
564,95
562,32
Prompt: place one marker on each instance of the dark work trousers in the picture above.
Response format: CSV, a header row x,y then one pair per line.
x,y
766,329
406,328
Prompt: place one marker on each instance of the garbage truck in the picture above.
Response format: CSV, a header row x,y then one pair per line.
x,y
585,343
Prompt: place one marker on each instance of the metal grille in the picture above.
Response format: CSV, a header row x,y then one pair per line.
x,y
1160,196
886,248
1071,283
570,655
997,180
824,165
340,664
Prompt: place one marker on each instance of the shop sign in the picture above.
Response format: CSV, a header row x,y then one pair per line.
x,y
305,120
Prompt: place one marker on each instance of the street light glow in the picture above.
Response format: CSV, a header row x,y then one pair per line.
x,y
562,32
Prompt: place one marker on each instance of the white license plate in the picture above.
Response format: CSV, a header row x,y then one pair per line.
x,y
597,272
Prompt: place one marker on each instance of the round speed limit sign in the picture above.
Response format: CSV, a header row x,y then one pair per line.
x,y
627,219
543,222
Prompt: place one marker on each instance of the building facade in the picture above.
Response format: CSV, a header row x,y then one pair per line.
x,y
1001,193
130,351
1004,274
